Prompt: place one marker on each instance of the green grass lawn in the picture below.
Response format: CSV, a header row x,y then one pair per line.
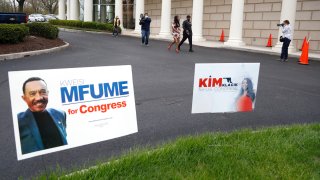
x,y
291,152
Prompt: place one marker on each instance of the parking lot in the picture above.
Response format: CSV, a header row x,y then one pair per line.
x,y
288,93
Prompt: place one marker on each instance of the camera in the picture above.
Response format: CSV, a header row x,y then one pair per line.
x,y
280,25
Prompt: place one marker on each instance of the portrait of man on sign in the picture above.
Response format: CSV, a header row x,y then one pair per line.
x,y
40,127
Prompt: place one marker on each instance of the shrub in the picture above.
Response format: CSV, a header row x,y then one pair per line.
x,y
44,30
57,21
72,23
90,25
102,26
13,33
80,24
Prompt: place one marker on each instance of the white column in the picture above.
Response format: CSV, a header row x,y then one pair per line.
x,y
165,27
118,11
88,10
197,20
139,10
235,35
288,12
77,10
74,10
62,9
68,9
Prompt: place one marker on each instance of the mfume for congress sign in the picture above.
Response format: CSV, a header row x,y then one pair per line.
x,y
57,109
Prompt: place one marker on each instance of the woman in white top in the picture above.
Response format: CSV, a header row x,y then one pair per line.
x,y
287,37
175,33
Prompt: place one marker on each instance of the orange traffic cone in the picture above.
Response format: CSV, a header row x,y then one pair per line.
x,y
304,55
222,36
269,44
304,41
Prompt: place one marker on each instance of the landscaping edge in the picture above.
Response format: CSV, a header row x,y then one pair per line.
x,y
4,57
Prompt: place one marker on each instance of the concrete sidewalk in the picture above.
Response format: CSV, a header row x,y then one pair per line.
x,y
217,44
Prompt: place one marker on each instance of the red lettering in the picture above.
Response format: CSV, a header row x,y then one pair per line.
x,y
101,108
124,103
217,82
83,109
203,82
114,105
104,108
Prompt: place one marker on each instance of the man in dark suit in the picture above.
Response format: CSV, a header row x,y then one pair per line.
x,y
40,128
145,29
187,33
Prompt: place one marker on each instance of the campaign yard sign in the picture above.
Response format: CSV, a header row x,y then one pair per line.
x,y
225,87
57,109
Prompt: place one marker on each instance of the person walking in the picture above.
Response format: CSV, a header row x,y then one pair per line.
x,y
116,26
286,38
175,33
187,33
145,29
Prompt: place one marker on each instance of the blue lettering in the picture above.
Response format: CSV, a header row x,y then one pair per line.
x,y
65,94
123,85
82,92
102,90
92,91
111,91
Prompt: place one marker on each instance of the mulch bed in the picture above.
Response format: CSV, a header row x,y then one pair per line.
x,y
30,43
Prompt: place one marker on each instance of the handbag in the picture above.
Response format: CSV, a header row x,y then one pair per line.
x,y
281,39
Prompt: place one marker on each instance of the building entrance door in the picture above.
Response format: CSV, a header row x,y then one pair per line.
x,y
103,10
128,14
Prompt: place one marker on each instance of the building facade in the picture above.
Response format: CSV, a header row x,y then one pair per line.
x,y
245,22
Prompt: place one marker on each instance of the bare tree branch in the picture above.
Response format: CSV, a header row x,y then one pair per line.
x,y
50,5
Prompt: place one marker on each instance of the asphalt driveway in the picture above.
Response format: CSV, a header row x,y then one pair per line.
x,y
287,94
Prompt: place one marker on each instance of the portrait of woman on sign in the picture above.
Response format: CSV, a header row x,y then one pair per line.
x,y
246,96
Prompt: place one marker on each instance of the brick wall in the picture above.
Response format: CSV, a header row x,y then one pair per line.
x,y
216,16
308,22
153,8
260,19
182,8
178,7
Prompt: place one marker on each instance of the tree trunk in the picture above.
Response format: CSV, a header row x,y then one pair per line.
x,y
14,6
20,4
20,7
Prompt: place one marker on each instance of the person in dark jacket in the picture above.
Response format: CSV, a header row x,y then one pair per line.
x,y
145,28
187,33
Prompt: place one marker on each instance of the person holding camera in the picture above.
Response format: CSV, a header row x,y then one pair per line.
x,y
286,39
187,33
145,28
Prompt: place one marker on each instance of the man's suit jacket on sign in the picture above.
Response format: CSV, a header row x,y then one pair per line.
x,y
30,137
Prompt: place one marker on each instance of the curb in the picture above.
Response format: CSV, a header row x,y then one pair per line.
x,y
268,52
4,57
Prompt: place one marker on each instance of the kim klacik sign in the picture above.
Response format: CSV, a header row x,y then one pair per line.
x,y
57,109
225,87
